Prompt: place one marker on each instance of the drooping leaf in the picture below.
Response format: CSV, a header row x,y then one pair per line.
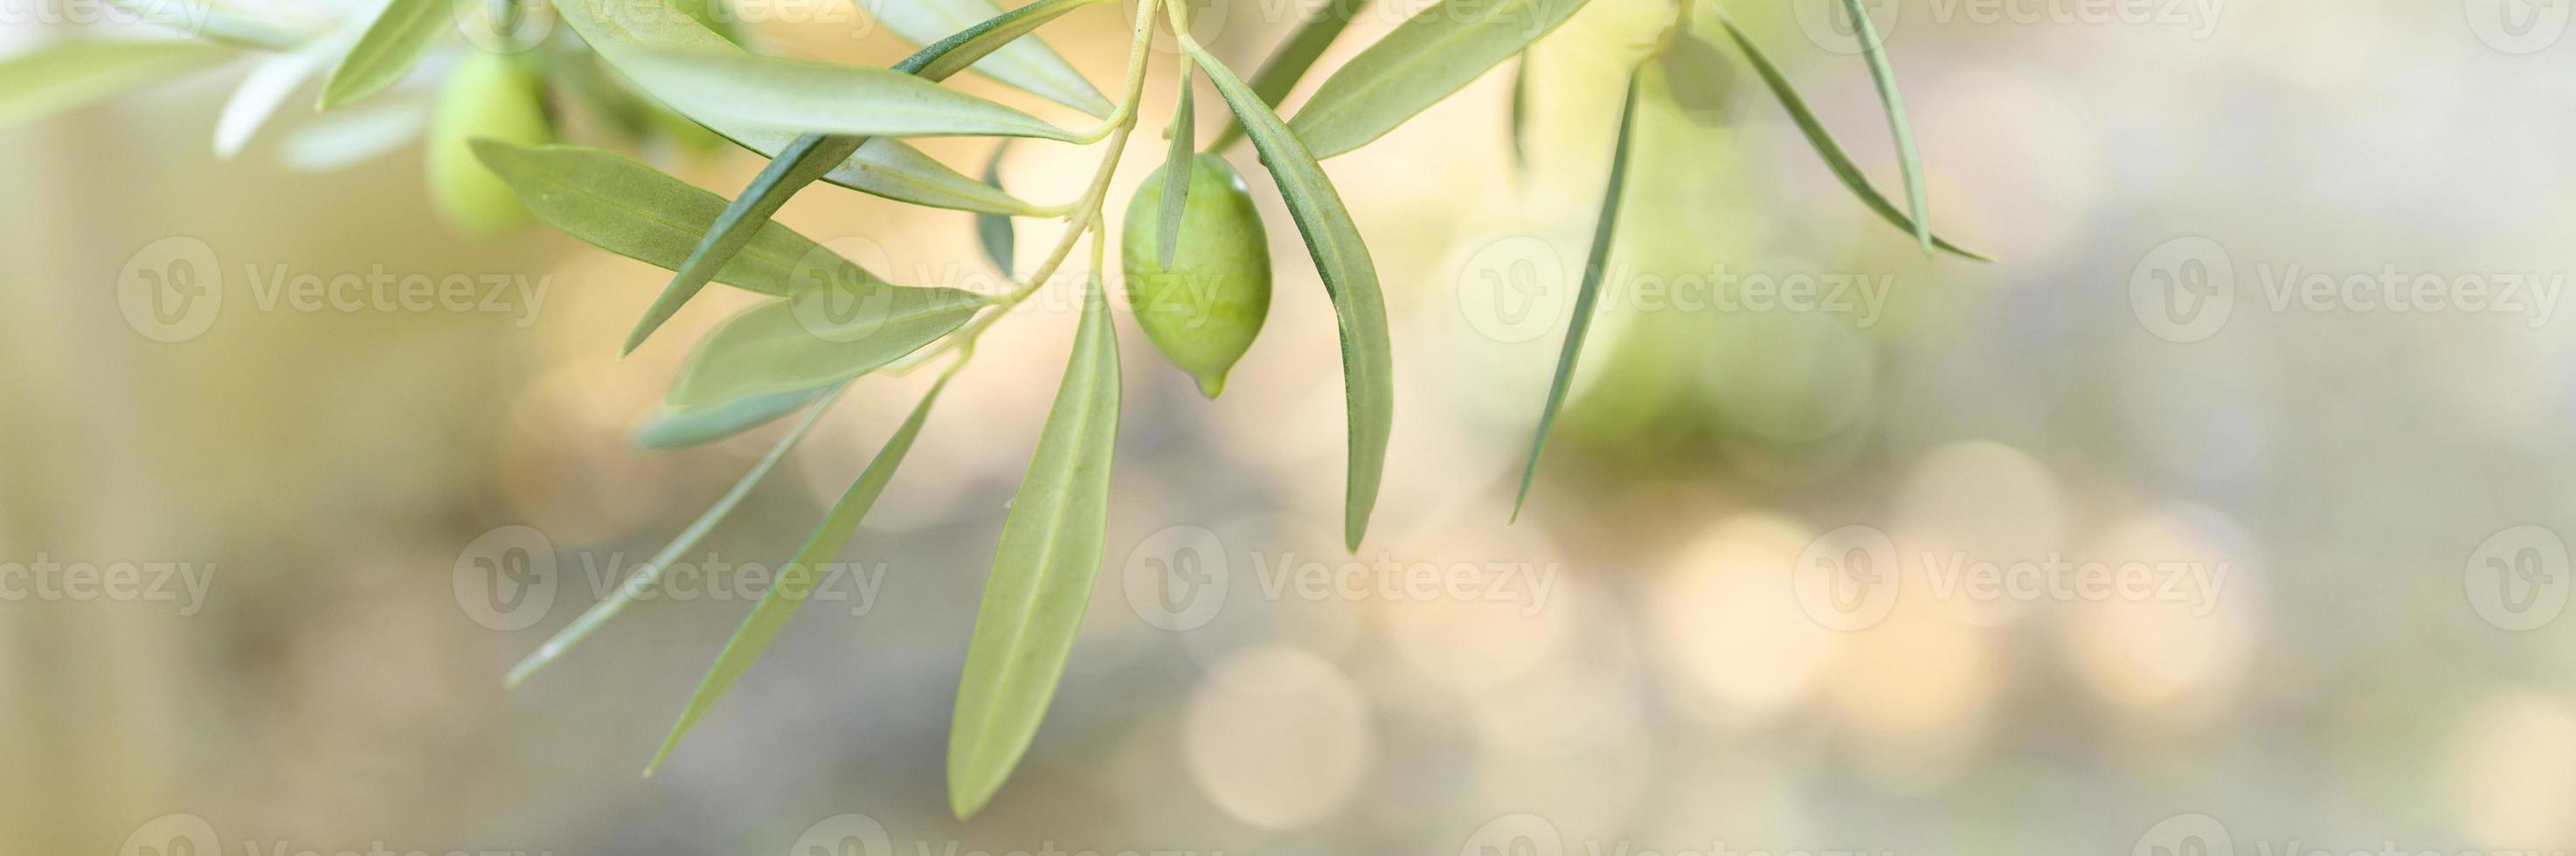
x,y
1520,113
1823,141
646,577
1343,260
401,34
1176,180
994,232
826,332
1588,295
1042,571
1289,62
620,29
739,88
1431,55
1030,65
1884,75
38,83
795,164
261,92
209,20
795,580
631,209
680,429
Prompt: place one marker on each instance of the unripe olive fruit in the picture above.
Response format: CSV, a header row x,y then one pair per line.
x,y
489,96
1204,311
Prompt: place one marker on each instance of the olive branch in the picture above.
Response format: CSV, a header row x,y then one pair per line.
x,y
678,71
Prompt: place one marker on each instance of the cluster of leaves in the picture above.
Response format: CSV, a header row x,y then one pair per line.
x,y
831,321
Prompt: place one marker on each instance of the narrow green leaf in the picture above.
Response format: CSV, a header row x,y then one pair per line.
x,y
272,80
622,35
795,580
1589,295
1884,74
1176,172
401,34
1279,74
1042,571
1520,114
206,19
1428,57
631,209
1823,141
825,332
620,29
1343,261
680,429
994,232
651,573
1030,65
825,98
52,78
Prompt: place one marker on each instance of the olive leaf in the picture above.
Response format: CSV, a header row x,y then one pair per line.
x,y
825,332
1292,58
1589,294
993,232
1176,175
810,157
262,91
1031,65
1042,570
1884,75
631,209
1823,141
38,83
621,29
1342,258
645,578
398,37
1431,55
681,428
206,19
795,580
1520,113
777,93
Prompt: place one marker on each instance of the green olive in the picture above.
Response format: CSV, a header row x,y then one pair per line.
x,y
489,96
1204,310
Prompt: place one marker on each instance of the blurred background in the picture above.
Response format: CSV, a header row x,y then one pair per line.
x,y
2223,514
